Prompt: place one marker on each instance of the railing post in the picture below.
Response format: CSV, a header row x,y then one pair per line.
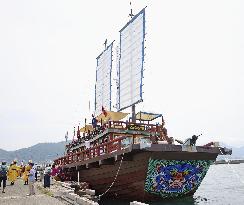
x,y
93,152
119,145
111,137
83,155
157,128
89,153
98,150
108,148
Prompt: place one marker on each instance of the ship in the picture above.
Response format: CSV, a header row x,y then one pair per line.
x,y
129,155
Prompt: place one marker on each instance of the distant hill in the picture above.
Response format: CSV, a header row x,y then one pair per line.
x,y
42,152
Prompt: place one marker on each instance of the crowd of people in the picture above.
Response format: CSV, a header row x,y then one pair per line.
x,y
76,144
29,173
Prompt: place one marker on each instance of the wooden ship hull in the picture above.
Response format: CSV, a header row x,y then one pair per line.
x,y
140,171
134,182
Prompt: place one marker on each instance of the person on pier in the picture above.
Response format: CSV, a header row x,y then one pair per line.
x,y
47,175
54,172
13,172
31,180
26,172
3,175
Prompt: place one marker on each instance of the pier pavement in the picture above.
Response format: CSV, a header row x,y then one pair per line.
x,y
17,195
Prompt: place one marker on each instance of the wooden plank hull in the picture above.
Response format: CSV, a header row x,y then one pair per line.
x,y
149,175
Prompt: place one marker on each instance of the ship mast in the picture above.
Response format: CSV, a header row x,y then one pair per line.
x,y
133,107
131,61
133,111
131,13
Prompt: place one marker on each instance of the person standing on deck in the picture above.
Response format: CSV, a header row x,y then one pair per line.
x,y
31,180
3,175
94,122
12,172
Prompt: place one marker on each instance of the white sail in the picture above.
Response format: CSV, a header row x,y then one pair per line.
x,y
131,61
103,80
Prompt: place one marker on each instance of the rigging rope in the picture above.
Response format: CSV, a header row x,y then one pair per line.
x,y
99,197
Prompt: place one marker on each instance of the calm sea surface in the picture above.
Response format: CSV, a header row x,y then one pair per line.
x,y
223,185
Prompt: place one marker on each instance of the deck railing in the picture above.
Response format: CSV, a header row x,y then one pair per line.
x,y
120,125
112,145
105,148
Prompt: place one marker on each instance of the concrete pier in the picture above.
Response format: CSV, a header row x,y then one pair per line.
x,y
60,193
16,195
63,191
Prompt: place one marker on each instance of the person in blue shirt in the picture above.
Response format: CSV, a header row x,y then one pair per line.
x,y
31,180
94,122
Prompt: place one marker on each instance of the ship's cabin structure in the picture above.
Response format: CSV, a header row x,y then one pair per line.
x,y
110,133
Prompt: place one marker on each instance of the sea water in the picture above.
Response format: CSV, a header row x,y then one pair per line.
x,y
222,185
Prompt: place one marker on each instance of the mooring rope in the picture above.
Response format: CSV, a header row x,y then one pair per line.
x,y
232,169
99,197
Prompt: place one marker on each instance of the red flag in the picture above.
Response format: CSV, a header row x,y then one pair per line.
x,y
104,111
78,132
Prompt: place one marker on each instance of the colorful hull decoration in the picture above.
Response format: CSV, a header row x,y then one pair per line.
x,y
175,178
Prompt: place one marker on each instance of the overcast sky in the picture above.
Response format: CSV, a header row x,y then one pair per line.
x,y
194,70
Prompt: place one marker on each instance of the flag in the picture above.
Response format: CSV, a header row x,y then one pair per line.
x,y
104,112
78,132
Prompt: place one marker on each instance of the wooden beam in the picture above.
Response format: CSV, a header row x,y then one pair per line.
x,y
109,161
81,167
94,164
